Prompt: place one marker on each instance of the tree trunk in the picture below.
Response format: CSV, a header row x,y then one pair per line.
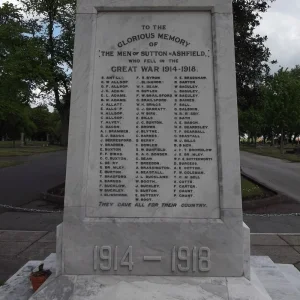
x,y
282,142
22,139
65,127
295,138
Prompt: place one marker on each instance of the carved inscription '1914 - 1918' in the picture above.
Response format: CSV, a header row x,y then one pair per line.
x,y
153,130
183,259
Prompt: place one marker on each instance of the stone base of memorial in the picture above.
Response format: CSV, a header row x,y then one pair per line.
x,y
266,281
163,288
262,280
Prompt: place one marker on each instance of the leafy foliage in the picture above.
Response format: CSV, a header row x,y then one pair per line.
x,y
252,56
23,61
277,110
55,128
58,17
251,121
22,68
14,119
40,116
282,101
38,53
46,123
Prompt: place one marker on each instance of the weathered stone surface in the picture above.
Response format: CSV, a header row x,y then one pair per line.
x,y
291,274
59,249
92,6
151,237
132,288
247,269
241,288
274,281
178,117
109,226
267,278
155,287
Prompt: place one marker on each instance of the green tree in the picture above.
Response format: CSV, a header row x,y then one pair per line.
x,y
55,127
58,17
252,56
57,34
23,61
40,116
14,119
252,122
295,128
282,102
22,66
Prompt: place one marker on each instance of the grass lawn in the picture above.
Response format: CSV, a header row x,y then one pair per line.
x,y
5,164
251,190
9,144
272,152
7,149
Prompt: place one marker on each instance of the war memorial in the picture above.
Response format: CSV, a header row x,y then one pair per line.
x,y
153,205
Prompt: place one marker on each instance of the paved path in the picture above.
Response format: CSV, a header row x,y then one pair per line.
x,y
286,224
30,221
24,183
280,175
18,247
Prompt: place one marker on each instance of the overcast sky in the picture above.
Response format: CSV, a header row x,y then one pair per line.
x,y
282,26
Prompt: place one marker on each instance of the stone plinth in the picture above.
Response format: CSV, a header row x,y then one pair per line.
x,y
268,281
148,288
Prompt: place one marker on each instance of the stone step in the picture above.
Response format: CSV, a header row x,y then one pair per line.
x,y
258,285
242,288
291,273
273,279
49,263
269,281
18,287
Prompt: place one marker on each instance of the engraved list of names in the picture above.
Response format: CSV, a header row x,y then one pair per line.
x,y
153,146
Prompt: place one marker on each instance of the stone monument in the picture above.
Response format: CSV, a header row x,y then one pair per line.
x,y
153,174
